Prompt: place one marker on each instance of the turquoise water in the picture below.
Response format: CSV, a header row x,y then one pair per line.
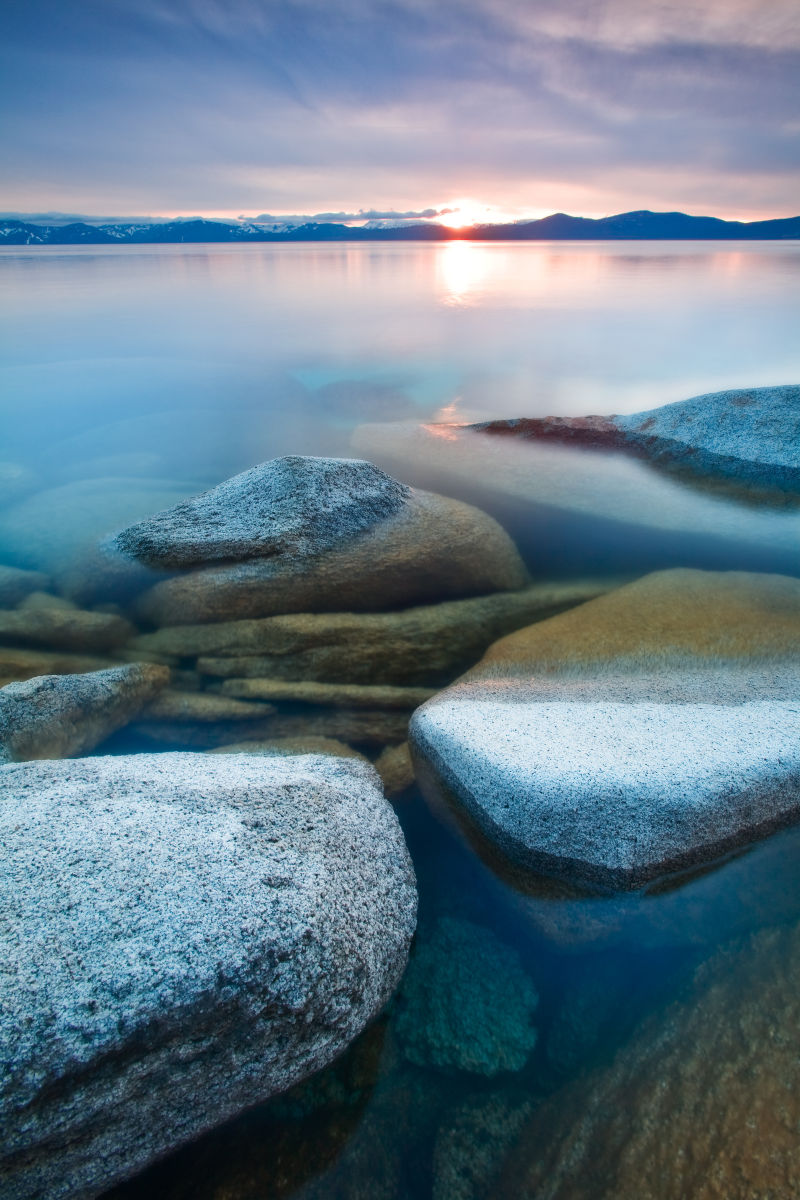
x,y
133,376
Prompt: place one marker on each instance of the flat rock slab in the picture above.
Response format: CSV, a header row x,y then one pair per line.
x,y
64,628
354,695
295,506
183,937
426,644
54,716
616,792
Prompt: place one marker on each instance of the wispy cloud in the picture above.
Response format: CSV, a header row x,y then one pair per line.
x,y
251,105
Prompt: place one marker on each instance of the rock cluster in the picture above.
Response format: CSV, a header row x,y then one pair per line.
x,y
183,937
651,729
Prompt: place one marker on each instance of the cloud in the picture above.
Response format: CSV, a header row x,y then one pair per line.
x,y
235,105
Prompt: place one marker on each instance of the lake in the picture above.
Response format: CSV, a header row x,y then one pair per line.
x,y
136,376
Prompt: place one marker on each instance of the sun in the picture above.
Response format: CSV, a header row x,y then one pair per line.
x,y
465,212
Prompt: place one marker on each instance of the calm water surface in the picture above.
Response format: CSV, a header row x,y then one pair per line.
x,y
135,375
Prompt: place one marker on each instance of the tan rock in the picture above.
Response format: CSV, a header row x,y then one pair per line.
x,y
289,746
63,627
355,695
424,645
668,619
395,768
56,716
173,705
346,725
16,584
703,1103
431,548
18,664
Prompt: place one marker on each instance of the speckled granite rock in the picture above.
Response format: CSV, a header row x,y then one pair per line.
x,y
54,716
298,506
234,921
466,1003
427,644
644,732
703,1103
749,435
429,548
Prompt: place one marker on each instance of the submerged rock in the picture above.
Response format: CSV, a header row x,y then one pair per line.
x,y
61,626
298,506
650,730
202,707
395,768
616,494
358,725
340,695
185,937
16,584
750,436
424,645
428,548
292,746
466,1003
703,1102
473,1142
54,716
18,663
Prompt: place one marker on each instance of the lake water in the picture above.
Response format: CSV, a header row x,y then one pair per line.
x,y
133,376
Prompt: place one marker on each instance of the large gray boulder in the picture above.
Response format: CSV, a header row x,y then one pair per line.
x,y
54,716
749,435
184,936
430,548
296,506
651,729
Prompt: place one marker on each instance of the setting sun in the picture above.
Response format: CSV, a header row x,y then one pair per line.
x,y
464,213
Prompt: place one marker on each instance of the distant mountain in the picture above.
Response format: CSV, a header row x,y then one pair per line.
x,y
642,225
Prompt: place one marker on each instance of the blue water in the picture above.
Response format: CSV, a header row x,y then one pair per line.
x,y
135,375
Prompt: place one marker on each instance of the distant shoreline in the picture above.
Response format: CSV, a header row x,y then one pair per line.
x,y
634,226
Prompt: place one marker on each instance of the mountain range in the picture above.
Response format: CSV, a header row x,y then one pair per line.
x,y
642,225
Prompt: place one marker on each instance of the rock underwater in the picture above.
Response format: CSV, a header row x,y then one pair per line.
x,y
184,936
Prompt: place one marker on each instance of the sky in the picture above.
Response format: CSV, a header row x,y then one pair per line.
x,y
499,109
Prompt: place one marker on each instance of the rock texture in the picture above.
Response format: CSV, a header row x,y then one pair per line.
x,y
467,1003
354,695
650,730
54,716
61,627
430,548
750,436
295,507
703,1102
395,768
184,937
17,663
421,646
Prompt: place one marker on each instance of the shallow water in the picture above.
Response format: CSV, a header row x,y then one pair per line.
x,y
133,376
